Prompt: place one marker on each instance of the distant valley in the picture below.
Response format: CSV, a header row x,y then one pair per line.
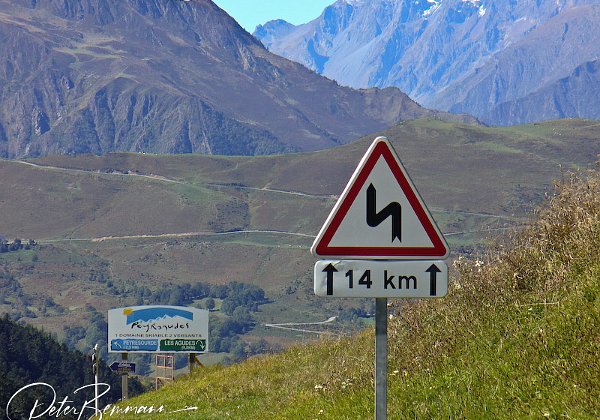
x,y
108,225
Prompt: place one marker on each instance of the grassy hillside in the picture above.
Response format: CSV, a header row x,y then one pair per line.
x,y
517,336
459,169
108,224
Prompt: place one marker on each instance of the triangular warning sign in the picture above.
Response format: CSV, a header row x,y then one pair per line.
x,y
380,214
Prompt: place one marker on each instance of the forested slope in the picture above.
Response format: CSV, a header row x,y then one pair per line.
x,y
29,356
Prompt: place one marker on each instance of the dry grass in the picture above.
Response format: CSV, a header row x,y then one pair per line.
x,y
516,337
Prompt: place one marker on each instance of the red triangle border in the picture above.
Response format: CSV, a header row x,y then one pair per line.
x,y
439,249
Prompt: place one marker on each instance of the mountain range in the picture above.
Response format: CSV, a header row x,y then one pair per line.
x,y
166,76
505,62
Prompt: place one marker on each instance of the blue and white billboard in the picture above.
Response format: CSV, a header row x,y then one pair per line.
x,y
164,329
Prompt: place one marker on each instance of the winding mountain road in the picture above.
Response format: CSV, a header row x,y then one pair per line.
x,y
160,178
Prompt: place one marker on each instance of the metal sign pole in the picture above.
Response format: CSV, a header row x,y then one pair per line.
x,y
95,368
381,320
124,380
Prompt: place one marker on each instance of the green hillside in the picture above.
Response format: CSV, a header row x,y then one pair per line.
x,y
517,336
113,230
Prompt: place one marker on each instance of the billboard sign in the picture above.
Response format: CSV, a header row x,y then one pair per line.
x,y
157,329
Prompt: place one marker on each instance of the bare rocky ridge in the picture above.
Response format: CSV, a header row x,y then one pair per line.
x,y
166,76
568,96
471,56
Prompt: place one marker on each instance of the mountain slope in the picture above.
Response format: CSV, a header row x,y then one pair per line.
x,y
565,97
165,76
537,63
464,56
113,228
517,336
84,196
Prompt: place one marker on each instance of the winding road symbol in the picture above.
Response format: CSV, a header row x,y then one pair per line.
x,y
393,210
380,214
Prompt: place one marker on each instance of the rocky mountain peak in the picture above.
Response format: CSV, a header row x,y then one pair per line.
x,y
194,21
272,30
166,76
439,50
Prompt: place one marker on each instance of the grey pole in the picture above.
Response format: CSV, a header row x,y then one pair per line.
x,y
96,366
381,320
124,380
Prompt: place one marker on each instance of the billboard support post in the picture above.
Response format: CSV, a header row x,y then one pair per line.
x,y
124,380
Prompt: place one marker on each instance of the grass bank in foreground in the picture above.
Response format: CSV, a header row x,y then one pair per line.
x,y
517,337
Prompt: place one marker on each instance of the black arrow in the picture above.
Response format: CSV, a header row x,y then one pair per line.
x,y
433,270
330,269
375,219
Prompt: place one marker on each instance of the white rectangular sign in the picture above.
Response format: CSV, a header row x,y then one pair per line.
x,y
381,279
164,329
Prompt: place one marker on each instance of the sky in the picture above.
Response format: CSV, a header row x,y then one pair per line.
x,y
249,13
